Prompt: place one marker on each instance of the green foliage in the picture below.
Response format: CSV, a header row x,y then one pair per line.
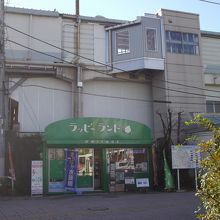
x,y
209,192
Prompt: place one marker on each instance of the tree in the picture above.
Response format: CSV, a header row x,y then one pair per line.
x,y
209,175
169,124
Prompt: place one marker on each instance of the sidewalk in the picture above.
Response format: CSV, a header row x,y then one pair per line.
x,y
158,206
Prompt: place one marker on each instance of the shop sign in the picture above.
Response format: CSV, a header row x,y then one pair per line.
x,y
102,141
37,177
92,130
99,128
142,182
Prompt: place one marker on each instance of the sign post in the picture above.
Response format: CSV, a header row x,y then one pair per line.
x,y
178,179
185,157
196,179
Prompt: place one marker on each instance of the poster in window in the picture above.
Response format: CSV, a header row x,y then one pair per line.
x,y
71,167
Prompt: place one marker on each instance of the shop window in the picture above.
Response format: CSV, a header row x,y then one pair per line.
x,y
151,39
182,43
140,160
122,42
70,168
56,170
85,165
125,166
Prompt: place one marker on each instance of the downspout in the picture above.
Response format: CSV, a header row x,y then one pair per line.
x,y
110,49
29,55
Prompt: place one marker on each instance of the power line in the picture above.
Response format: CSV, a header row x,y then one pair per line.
x,y
58,58
103,64
210,2
106,96
185,92
85,93
37,51
167,89
26,105
52,45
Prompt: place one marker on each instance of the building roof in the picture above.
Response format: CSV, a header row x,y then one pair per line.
x,y
16,10
210,34
126,24
98,18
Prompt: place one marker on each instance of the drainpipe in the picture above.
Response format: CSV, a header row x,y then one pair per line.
x,y
79,85
110,49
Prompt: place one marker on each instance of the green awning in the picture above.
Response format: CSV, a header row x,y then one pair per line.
x,y
97,131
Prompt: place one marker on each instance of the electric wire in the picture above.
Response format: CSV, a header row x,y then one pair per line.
x,y
159,87
106,96
103,64
210,2
28,106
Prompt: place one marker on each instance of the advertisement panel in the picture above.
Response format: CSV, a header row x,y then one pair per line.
x,y
185,157
142,182
37,177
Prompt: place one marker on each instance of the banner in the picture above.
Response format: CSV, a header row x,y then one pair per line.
x,y
11,164
71,168
168,179
37,177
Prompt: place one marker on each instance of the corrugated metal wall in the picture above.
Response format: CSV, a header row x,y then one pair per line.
x,y
92,43
41,102
137,40
44,28
210,51
103,100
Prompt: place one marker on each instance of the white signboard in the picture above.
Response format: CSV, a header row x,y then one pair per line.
x,y
129,180
185,157
37,177
142,182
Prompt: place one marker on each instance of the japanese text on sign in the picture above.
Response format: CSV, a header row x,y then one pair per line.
x,y
99,128
185,157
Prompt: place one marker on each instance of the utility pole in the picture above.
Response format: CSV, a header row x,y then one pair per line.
x,y
2,92
79,85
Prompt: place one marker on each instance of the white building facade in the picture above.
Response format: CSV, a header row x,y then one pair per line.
x,y
41,61
62,67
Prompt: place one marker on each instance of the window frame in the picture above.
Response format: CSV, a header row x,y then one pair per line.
x,y
126,51
183,45
212,104
155,39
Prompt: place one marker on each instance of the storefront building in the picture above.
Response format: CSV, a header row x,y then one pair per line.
x,y
96,154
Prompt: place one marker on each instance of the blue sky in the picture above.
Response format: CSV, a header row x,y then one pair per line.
x,y
128,9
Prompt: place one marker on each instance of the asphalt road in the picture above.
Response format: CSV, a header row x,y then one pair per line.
x,y
137,206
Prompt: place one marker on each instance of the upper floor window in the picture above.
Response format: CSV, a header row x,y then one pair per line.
x,y
213,106
184,43
122,42
151,39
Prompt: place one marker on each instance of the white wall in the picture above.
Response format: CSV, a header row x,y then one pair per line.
x,y
92,42
39,105
99,43
99,105
210,51
42,27
211,64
